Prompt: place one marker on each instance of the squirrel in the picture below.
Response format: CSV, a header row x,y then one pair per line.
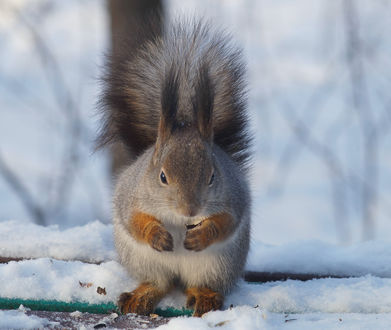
x,y
181,208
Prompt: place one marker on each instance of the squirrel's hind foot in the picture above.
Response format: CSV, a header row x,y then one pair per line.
x,y
141,300
203,300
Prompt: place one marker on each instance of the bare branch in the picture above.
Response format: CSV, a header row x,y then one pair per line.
x,y
70,109
364,112
292,150
27,199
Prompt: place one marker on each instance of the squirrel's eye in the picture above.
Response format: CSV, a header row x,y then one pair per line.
x,y
211,179
163,178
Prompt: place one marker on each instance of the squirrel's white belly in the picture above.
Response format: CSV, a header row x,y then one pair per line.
x,y
191,268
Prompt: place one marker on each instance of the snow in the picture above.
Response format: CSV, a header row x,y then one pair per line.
x,y
92,242
47,278
17,319
236,318
250,318
312,303
371,257
317,303
350,295
60,280
243,317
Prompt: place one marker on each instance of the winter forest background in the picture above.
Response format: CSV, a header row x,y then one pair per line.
x,y
319,77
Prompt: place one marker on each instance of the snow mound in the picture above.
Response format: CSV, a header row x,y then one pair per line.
x,y
372,257
17,319
92,242
349,295
63,280
250,318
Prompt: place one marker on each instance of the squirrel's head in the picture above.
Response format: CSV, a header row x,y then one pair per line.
x,y
183,163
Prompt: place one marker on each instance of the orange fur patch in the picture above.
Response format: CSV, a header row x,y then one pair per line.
x,y
146,228
140,225
142,300
213,229
203,300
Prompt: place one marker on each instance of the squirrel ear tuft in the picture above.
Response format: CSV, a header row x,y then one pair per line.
x,y
169,106
169,103
203,103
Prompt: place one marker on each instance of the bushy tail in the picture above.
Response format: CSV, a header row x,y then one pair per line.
x,y
134,88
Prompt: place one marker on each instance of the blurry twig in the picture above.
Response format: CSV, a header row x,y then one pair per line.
x,y
336,172
363,109
69,106
292,149
29,202
303,133
341,178
77,139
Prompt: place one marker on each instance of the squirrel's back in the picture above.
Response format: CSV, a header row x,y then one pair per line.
x,y
138,83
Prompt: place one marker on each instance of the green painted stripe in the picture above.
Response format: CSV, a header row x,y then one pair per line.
x,y
61,306
173,312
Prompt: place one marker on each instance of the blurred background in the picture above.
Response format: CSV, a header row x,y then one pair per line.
x,y
319,75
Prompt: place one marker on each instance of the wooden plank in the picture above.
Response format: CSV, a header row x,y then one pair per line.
x,y
263,277
5,260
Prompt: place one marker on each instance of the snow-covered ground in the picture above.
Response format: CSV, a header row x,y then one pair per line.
x,y
239,318
93,242
17,319
363,301
59,280
253,319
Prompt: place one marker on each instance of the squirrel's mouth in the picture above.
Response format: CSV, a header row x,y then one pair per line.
x,y
188,227
193,225
195,222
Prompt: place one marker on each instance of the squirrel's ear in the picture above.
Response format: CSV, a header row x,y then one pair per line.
x,y
203,104
169,105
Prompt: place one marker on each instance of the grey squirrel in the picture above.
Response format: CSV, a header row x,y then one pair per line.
x,y
182,206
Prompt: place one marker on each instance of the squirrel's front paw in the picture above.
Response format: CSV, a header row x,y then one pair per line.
x,y
160,239
199,238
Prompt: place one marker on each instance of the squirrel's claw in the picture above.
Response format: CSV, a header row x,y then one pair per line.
x,y
162,240
133,303
190,301
140,301
203,300
124,302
